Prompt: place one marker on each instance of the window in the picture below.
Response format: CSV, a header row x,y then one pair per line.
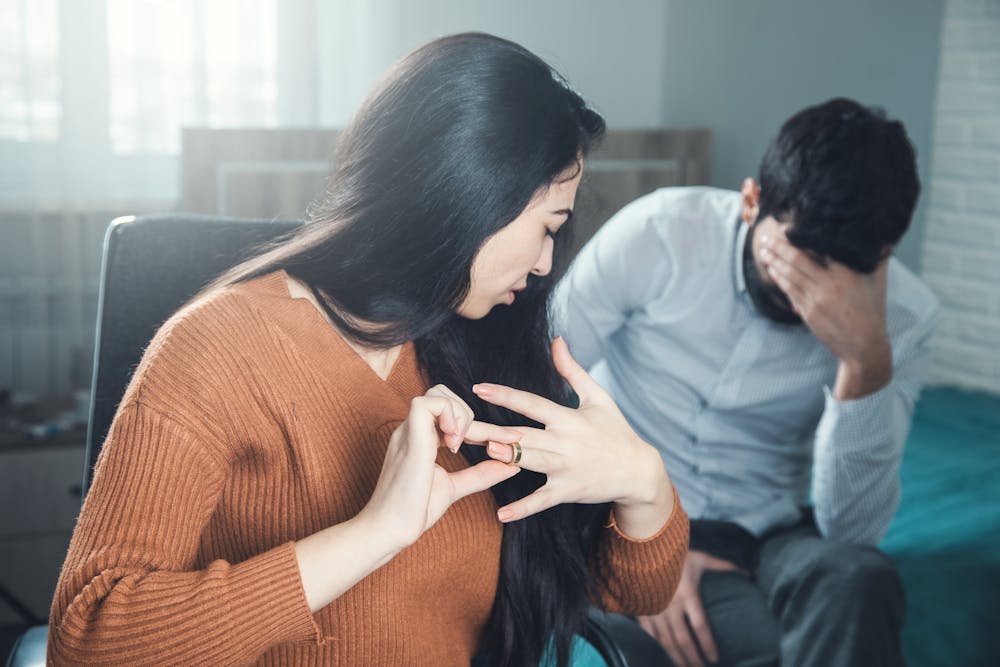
x,y
29,70
94,93
188,62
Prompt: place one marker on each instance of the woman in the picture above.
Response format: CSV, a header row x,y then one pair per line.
x,y
288,477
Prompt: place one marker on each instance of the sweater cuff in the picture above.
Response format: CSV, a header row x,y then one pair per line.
x,y
269,586
613,523
641,576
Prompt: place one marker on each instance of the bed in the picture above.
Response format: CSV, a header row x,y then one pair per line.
x,y
945,538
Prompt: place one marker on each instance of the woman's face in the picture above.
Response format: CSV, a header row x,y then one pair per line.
x,y
501,267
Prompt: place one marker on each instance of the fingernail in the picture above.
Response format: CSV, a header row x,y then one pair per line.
x,y
765,239
494,448
482,389
505,515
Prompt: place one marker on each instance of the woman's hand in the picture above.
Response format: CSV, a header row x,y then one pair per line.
x,y
590,454
413,491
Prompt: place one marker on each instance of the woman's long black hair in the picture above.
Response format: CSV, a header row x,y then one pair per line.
x,y
450,147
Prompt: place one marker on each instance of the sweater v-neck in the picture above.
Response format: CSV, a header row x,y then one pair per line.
x,y
319,339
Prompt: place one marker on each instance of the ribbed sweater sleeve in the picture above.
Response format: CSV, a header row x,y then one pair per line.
x,y
130,591
639,577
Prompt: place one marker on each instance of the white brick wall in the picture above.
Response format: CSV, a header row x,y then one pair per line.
x,y
961,254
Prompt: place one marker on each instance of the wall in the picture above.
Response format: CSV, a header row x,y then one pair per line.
x,y
741,68
613,52
961,255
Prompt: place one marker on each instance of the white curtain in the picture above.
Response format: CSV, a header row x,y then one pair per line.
x,y
188,62
93,96
93,93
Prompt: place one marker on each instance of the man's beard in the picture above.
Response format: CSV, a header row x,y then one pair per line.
x,y
767,298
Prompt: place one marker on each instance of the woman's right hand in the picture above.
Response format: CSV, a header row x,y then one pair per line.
x,y
413,491
411,494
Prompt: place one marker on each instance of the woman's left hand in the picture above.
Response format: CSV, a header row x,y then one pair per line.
x,y
590,454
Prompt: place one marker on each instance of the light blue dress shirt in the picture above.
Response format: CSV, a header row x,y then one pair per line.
x,y
739,407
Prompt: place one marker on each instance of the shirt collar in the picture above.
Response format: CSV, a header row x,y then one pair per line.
x,y
741,239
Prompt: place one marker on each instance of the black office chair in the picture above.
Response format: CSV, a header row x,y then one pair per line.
x,y
152,265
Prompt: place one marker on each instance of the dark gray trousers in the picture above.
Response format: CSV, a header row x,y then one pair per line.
x,y
809,602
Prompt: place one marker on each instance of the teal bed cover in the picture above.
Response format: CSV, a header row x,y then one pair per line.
x,y
945,538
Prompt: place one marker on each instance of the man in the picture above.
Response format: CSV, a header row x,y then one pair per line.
x,y
769,346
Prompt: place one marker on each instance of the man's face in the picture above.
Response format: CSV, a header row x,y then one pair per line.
x,y
767,297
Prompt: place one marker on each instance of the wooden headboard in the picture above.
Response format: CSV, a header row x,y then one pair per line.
x,y
276,173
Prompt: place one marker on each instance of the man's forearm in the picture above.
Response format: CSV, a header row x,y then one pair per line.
x,y
858,450
857,378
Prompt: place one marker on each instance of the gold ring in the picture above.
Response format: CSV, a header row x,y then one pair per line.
x,y
517,453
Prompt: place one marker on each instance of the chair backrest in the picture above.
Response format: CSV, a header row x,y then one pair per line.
x,y
621,642
152,265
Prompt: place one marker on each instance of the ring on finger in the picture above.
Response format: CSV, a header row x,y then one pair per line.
x,y
516,458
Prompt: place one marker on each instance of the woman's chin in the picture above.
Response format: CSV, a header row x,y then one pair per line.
x,y
479,311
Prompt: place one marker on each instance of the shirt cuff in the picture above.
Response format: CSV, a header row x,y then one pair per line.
x,y
857,423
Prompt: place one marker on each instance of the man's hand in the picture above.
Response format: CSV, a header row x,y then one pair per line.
x,y
845,309
671,626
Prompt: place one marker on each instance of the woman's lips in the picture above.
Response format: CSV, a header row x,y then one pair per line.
x,y
512,294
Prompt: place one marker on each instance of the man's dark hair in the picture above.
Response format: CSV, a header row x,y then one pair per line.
x,y
845,176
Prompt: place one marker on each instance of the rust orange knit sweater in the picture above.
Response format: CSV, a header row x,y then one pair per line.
x,y
250,424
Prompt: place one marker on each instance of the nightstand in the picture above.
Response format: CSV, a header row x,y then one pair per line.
x,y
40,481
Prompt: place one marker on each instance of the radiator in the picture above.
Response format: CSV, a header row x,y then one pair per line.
x,y
49,274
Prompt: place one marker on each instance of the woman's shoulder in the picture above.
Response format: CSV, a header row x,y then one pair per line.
x,y
206,369
209,335
220,318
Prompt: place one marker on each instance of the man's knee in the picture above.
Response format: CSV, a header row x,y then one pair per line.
x,y
757,649
849,575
